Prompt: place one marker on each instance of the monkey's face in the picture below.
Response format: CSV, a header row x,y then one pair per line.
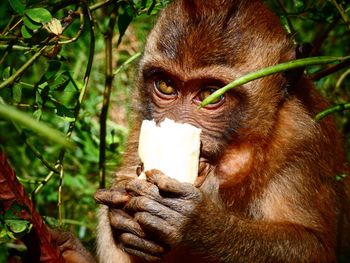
x,y
174,94
192,51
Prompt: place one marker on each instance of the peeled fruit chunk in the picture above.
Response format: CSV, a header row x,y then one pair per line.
x,y
172,148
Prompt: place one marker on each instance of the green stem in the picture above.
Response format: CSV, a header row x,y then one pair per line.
x,y
59,202
22,69
126,63
12,114
269,71
342,13
326,112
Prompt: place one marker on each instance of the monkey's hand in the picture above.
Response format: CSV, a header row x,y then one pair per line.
x,y
163,207
71,248
126,230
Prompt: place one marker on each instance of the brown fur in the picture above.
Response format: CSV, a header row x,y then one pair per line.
x,y
273,167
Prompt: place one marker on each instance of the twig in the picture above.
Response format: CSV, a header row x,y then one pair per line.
x,y
80,31
321,74
22,69
127,62
35,151
271,70
342,13
342,78
14,47
290,28
106,95
101,4
43,183
326,112
59,201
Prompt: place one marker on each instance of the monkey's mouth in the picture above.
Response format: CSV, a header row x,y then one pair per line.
x,y
203,171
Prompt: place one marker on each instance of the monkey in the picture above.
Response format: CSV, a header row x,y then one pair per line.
x,y
266,189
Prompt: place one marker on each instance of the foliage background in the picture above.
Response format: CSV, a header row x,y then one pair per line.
x,y
54,91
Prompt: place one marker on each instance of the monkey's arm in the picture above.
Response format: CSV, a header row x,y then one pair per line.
x,y
178,213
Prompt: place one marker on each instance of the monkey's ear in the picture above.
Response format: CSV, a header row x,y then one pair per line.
x,y
293,76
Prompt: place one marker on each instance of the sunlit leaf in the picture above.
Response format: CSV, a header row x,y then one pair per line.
x,y
17,92
31,24
6,73
17,226
39,15
26,32
37,114
54,27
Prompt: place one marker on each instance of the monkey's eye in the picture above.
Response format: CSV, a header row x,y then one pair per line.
x,y
165,87
206,92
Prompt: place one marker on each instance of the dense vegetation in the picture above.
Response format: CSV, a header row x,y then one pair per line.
x,y
66,71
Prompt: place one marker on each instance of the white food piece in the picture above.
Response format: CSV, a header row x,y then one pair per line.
x,y
172,148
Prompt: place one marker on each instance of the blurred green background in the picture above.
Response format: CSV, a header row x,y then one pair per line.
x,y
56,62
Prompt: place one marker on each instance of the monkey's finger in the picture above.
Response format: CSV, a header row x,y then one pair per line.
x,y
131,241
143,255
123,222
158,228
144,204
142,187
111,198
170,185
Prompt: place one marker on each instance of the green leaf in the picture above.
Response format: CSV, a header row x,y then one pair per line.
x,y
124,21
17,226
12,114
17,6
64,111
37,114
26,32
53,69
17,92
39,15
30,23
6,73
340,177
3,235
299,4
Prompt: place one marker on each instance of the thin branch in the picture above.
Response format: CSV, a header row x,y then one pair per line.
x,y
22,69
8,25
80,31
342,78
342,13
326,112
127,62
14,47
59,201
36,152
321,74
43,182
290,28
14,26
106,94
272,70
101,4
